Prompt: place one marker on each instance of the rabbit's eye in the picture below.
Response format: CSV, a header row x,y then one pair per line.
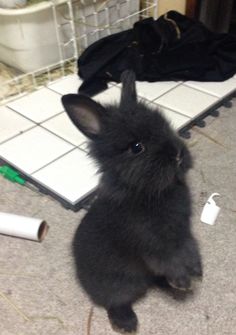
x,y
137,148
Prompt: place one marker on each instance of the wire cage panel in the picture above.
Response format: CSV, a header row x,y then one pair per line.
x,y
43,42
104,18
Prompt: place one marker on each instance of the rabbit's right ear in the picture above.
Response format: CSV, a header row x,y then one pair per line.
x,y
128,93
84,112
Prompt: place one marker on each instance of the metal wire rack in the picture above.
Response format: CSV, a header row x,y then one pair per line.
x,y
77,24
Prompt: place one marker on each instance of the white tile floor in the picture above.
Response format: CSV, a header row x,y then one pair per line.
x,y
72,177
38,106
66,85
112,95
54,153
152,91
12,124
187,101
62,126
214,88
34,149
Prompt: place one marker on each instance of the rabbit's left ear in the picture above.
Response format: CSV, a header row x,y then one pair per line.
x,y
128,93
85,113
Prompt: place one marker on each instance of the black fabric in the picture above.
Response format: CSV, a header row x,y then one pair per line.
x,y
174,47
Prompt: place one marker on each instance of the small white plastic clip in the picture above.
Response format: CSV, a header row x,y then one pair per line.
x,y
210,210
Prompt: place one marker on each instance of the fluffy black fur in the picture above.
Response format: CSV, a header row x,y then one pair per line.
x,y
138,228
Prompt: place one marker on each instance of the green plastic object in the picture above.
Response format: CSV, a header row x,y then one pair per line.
x,y
11,175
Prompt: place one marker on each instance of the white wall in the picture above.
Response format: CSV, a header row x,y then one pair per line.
x,y
166,5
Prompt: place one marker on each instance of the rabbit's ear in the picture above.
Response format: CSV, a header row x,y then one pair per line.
x,y
84,112
128,94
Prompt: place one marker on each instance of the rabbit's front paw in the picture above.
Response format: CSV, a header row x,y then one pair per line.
x,y
195,268
192,260
182,282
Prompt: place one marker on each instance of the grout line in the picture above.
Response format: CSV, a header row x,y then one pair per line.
x,y
14,110
82,148
53,90
30,173
116,85
201,112
16,135
61,94
151,100
211,94
196,115
60,137
50,118
54,160
36,123
154,101
207,93
51,189
173,110
171,89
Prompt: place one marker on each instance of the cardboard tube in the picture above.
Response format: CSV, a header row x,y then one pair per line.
x,y
24,227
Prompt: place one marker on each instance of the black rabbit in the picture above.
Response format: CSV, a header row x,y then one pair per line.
x,y
138,228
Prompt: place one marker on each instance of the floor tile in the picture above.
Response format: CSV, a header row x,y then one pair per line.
x,y
67,170
69,84
112,83
176,120
111,95
38,106
151,91
62,126
219,89
84,146
187,101
12,123
73,176
101,97
33,149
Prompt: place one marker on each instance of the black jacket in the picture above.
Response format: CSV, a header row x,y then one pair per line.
x,y
174,47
